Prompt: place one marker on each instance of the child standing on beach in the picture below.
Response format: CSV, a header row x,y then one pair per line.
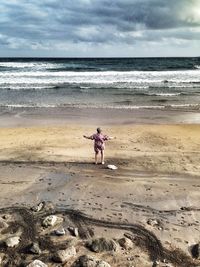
x,y
99,143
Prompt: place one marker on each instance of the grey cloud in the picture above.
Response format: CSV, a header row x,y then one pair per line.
x,y
97,21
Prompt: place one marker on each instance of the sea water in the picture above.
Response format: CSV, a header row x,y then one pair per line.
x,y
117,83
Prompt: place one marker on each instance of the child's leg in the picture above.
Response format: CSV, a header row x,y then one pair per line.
x,y
96,157
102,156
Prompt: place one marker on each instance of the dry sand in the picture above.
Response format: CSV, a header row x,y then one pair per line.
x,y
158,177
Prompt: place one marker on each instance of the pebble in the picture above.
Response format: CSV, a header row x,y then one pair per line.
x,y
38,207
153,222
74,231
37,263
12,241
90,261
35,249
3,224
64,255
51,220
103,244
125,243
155,263
60,232
196,251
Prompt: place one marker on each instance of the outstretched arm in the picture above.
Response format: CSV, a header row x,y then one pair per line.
x,y
109,138
88,137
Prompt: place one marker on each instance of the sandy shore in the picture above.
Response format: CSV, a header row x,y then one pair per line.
x,y
158,178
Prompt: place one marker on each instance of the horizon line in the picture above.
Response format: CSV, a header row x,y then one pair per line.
x,y
35,57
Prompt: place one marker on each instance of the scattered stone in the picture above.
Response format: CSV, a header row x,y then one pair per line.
x,y
74,231
3,224
89,261
49,206
6,216
35,249
155,263
63,255
38,207
103,244
51,220
185,208
153,222
12,241
37,263
196,251
60,232
125,243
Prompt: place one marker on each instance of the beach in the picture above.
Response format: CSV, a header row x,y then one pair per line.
x,y
57,206
100,133
152,198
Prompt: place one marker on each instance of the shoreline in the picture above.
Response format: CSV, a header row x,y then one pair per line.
x,y
19,117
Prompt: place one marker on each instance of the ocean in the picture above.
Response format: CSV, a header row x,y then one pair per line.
x,y
117,83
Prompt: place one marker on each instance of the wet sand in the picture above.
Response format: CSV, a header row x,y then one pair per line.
x,y
157,179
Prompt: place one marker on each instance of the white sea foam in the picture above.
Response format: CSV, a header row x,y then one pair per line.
x,y
24,65
25,87
28,105
105,106
134,78
165,94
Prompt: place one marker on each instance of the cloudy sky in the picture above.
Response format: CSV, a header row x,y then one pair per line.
x,y
95,28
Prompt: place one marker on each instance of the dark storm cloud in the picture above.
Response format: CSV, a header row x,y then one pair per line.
x,y
50,22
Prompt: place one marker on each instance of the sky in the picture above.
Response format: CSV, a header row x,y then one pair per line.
x,y
99,28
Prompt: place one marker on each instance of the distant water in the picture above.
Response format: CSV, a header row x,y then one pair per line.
x,y
111,83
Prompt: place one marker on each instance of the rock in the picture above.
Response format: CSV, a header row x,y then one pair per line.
x,y
60,232
35,249
89,261
3,224
74,231
51,220
102,244
64,255
6,216
2,259
38,207
12,241
37,263
156,263
153,222
196,251
125,243
49,206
